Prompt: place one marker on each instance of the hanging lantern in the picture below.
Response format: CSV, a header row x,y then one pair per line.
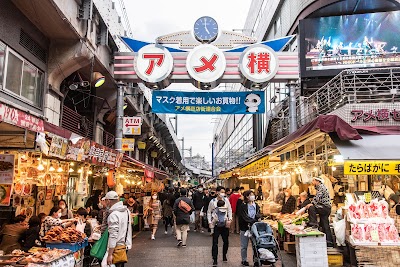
x,y
111,179
141,145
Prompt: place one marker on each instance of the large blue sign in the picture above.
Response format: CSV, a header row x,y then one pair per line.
x,y
178,102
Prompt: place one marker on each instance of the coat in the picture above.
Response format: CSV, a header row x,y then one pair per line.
x,y
119,222
181,216
198,200
244,220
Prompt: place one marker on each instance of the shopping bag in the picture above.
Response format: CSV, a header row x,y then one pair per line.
x,y
192,217
100,247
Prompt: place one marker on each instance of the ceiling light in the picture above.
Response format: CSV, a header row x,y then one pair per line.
x,y
71,164
98,79
60,169
71,170
52,169
80,170
40,167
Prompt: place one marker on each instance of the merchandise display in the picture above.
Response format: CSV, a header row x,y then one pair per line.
x,y
68,235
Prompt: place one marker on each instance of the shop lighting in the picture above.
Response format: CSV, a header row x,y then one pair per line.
x,y
98,79
60,169
333,168
71,164
80,170
40,167
121,176
23,156
44,162
315,169
52,169
71,170
128,182
90,172
133,183
139,183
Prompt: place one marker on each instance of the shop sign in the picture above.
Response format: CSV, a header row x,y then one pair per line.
x,y
225,175
132,126
128,144
7,163
372,167
179,102
382,114
153,63
58,146
206,63
20,118
255,167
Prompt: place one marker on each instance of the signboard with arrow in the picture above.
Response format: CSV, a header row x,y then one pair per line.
x,y
132,126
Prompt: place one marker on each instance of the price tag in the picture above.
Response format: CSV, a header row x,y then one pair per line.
x,y
374,236
367,197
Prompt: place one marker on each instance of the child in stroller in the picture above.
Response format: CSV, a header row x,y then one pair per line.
x,y
264,244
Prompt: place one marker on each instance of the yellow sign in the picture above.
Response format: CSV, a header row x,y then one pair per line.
x,y
367,197
225,175
371,167
255,167
128,144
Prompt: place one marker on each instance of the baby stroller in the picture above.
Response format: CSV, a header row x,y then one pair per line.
x,y
265,246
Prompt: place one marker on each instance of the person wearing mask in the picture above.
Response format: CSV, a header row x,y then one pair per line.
x,y
120,232
249,214
30,238
65,212
53,220
303,200
12,233
233,199
198,202
321,204
219,231
152,214
168,212
93,201
182,218
289,202
82,225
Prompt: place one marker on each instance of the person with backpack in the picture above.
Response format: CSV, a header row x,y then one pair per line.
x,y
183,208
222,226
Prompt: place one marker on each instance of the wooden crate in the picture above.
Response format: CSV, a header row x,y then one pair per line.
x,y
378,256
289,247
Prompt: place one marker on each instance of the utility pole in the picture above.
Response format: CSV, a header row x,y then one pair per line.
x,y
292,107
120,116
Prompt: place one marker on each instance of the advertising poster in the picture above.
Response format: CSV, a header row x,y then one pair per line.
x,y
7,163
5,194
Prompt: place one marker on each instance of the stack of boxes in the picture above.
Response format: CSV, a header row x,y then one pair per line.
x,y
311,251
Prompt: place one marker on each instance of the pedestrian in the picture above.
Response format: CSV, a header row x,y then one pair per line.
x,y
119,230
103,214
168,212
289,202
183,208
249,214
228,192
207,201
233,199
321,204
219,230
152,213
198,202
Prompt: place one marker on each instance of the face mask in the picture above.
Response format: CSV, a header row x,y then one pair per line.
x,y
213,193
62,207
59,215
190,193
201,190
252,198
222,194
287,194
100,206
154,197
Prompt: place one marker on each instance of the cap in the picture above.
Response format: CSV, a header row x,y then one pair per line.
x,y
319,179
112,195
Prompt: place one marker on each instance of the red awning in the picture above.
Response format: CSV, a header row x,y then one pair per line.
x,y
51,128
374,130
326,124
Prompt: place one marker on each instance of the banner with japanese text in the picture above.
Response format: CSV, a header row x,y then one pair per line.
x,y
178,102
371,167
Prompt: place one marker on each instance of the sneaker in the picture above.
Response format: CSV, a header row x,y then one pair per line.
x,y
195,230
184,246
215,263
179,243
256,264
153,237
202,231
245,263
166,232
224,259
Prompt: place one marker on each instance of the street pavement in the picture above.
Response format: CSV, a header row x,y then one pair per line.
x,y
163,252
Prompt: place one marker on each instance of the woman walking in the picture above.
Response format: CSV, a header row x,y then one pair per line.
x,y
153,214
167,212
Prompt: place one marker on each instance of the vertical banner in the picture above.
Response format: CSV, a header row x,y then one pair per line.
x,y
177,102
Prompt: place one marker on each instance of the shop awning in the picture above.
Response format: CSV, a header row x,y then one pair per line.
x,y
158,174
325,124
370,147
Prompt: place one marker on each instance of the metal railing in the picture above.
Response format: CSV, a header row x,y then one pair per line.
x,y
77,123
348,87
108,139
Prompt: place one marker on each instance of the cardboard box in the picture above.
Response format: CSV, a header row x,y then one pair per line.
x,y
289,247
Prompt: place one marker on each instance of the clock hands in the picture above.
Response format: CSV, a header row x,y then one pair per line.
x,y
205,26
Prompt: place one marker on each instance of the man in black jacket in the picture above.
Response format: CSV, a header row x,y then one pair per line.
x,y
182,218
198,202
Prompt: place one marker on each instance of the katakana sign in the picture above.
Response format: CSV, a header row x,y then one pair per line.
x,y
382,114
373,167
154,63
179,102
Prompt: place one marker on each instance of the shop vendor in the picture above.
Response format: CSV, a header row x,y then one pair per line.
x,y
321,205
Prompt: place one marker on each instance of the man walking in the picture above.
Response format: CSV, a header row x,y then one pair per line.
x,y
183,207
222,231
198,202
233,199
119,230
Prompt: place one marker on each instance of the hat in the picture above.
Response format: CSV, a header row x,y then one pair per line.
x,y
319,179
112,195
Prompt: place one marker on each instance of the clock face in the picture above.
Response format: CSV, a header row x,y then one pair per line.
x,y
205,29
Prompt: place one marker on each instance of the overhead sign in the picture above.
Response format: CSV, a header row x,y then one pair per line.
x,y
178,102
20,118
154,63
372,167
255,167
128,144
132,125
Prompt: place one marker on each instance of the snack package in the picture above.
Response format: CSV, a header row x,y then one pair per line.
x,y
357,232
392,233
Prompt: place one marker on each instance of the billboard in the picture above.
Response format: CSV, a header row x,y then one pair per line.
x,y
331,44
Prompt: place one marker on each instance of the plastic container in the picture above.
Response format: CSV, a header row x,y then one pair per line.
x,y
74,247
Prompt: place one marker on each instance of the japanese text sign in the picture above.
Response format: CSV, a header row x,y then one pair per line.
x,y
128,144
383,114
179,102
380,167
6,168
255,167
20,118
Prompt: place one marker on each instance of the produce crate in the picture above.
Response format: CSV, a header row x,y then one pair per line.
x,y
74,247
378,256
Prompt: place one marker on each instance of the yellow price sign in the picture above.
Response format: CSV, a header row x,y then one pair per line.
x,y
367,197
372,167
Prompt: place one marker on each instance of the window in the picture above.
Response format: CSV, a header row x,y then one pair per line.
x,y
277,25
2,57
22,78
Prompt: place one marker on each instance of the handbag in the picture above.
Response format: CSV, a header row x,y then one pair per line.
x,y
119,254
100,247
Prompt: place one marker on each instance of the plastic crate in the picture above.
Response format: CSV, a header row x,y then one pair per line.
x,y
335,260
74,247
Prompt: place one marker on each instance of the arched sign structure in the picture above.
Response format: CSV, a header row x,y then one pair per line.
x,y
206,64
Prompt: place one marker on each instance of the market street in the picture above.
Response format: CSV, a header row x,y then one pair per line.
x,y
163,252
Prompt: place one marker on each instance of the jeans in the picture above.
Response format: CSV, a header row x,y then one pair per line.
x,y
244,243
224,233
182,232
324,220
168,221
197,225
